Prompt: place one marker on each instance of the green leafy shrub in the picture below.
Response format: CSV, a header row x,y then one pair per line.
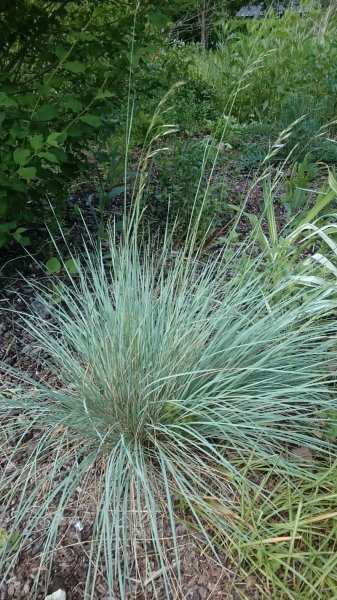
x,y
61,70
194,104
168,371
262,67
186,184
46,112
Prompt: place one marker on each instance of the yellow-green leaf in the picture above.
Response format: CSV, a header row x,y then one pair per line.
x,y
36,141
53,265
71,265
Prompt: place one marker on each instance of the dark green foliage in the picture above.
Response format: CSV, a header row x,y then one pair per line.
x,y
187,188
194,104
61,69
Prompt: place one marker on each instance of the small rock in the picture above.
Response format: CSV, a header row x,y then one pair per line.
x,y
25,590
303,452
58,595
41,309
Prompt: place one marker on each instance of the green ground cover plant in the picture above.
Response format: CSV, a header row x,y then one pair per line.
x,y
290,523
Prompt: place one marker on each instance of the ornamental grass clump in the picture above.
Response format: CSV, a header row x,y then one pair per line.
x,y
162,371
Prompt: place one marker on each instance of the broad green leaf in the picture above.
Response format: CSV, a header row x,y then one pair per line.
x,y
53,265
17,131
27,100
14,538
27,173
7,101
55,137
22,239
43,89
60,51
60,155
47,112
91,120
17,185
72,103
48,156
74,66
71,266
36,141
21,155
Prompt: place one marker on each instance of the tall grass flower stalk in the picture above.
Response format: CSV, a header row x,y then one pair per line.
x,y
162,369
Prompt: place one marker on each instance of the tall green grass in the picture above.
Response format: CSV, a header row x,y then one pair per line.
x,y
290,523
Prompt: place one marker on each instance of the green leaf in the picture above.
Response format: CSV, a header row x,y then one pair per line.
x,y
91,120
27,173
55,137
74,66
47,112
22,239
6,101
72,103
53,265
36,141
48,156
60,51
18,132
104,94
3,538
43,89
21,155
71,266
14,538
